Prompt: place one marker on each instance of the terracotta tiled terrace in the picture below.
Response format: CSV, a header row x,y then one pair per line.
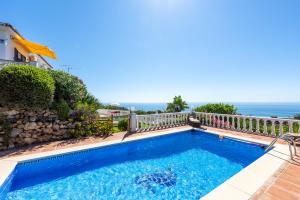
x,y
284,185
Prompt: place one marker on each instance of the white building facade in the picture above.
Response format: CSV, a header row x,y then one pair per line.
x,y
13,52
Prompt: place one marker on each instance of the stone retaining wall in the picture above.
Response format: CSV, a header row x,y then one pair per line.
x,y
24,127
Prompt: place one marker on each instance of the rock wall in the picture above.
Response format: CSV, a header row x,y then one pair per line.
x,y
22,127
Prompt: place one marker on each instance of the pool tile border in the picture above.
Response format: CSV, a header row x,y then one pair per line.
x,y
239,187
251,178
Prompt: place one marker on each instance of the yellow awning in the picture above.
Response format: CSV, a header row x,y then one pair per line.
x,y
35,48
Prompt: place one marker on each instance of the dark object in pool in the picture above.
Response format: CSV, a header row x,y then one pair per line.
x,y
165,178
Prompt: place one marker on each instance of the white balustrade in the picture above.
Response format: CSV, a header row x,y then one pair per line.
x,y
276,126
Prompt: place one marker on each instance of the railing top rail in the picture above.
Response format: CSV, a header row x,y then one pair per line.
x,y
162,114
254,117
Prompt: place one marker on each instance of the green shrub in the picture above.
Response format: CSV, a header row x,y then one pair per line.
x,y
62,108
219,108
26,87
88,123
68,87
141,112
89,104
297,116
123,125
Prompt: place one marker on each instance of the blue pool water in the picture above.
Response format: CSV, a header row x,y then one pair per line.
x,y
184,165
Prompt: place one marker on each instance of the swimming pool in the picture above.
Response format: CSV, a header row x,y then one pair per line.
x,y
183,165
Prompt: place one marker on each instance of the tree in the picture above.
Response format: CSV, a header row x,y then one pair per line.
x,y
219,108
177,105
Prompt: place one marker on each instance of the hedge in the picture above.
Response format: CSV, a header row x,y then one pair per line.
x,y
68,87
26,87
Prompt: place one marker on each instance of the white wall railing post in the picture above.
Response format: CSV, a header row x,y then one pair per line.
x,y
133,124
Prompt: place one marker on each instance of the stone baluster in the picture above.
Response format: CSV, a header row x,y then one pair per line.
x,y
280,127
291,126
257,125
214,120
137,123
238,124
223,121
150,121
233,123
227,122
145,125
173,119
154,121
206,119
201,119
250,125
265,127
273,127
244,124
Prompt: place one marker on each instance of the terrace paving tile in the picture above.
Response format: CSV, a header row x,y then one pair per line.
x,y
285,184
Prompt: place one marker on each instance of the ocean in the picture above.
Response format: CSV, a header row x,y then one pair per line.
x,y
255,109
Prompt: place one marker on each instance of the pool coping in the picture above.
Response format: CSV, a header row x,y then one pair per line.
x,y
240,186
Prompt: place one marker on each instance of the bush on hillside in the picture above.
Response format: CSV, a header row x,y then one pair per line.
x,y
219,108
68,87
26,87
62,108
297,116
89,103
141,112
123,125
88,123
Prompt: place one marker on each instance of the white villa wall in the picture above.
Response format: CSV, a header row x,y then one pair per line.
x,y
7,49
3,46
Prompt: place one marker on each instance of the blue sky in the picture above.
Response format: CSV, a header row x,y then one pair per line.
x,y
151,50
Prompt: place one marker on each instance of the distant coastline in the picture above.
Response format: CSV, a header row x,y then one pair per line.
x,y
255,109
